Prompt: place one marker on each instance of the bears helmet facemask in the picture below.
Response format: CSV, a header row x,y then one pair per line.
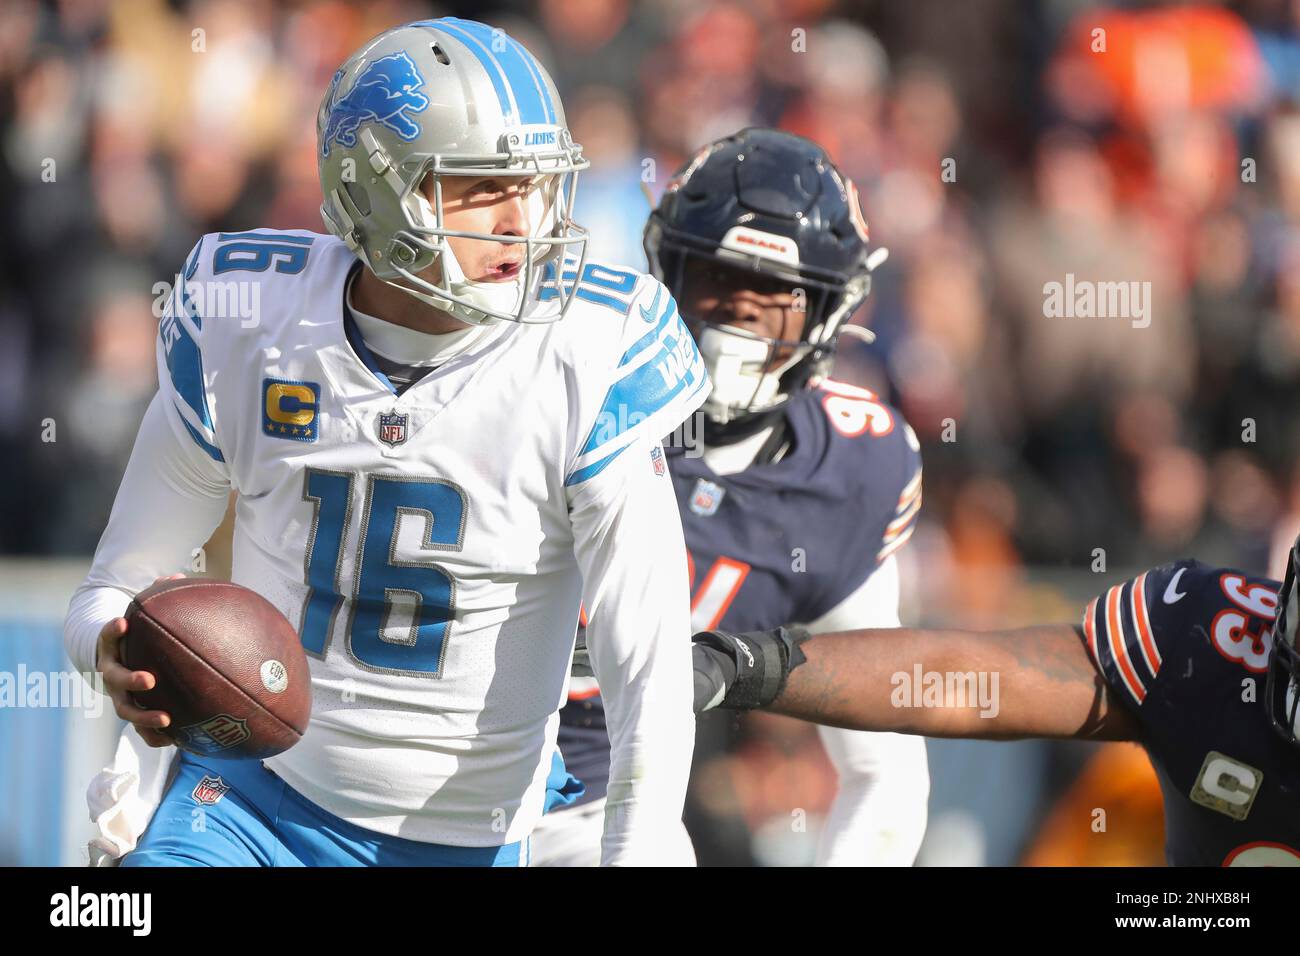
x,y
1282,688
771,202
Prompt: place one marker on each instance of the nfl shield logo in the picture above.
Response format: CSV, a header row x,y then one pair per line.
x,y
706,497
392,428
210,789
657,459
214,734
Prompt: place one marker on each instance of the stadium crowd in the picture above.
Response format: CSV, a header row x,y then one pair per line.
x,y
998,146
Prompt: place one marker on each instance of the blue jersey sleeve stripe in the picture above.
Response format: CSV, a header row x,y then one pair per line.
x,y
192,265
504,96
643,392
645,341
549,292
892,544
595,468
213,451
185,367
190,309
906,516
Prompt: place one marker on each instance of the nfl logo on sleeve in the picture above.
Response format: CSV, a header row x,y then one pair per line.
x,y
392,428
657,459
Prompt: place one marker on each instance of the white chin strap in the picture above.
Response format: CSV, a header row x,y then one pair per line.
x,y
735,364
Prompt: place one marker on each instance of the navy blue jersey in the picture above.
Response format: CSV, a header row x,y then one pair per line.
x,y
784,542
1186,647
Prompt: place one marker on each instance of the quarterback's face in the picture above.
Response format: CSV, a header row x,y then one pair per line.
x,y
742,299
494,205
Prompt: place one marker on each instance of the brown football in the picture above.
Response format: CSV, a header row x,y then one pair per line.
x,y
230,670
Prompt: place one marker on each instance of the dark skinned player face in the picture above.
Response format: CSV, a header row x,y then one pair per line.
x,y
740,298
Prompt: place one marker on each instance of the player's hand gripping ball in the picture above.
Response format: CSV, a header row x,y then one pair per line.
x,y
230,670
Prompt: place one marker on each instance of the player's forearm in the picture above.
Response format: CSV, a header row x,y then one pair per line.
x,y
642,662
629,545
1035,682
89,610
167,504
650,762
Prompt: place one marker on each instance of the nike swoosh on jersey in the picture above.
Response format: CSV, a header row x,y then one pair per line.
x,y
648,314
1172,594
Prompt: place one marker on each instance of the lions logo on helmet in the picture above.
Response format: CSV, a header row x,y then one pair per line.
x,y
384,91
485,108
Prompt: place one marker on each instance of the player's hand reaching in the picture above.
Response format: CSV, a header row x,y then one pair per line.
x,y
744,671
121,683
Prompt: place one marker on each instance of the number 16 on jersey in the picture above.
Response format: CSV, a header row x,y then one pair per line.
x,y
400,608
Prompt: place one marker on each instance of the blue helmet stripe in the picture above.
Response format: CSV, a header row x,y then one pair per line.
x,y
536,74
505,95
524,84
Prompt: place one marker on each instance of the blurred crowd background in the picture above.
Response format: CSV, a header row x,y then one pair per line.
x,y
996,148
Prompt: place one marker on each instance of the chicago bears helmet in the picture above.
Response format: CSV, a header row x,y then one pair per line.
x,y
772,203
439,98
1282,688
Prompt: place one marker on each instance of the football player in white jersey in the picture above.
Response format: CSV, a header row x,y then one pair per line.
x,y
443,426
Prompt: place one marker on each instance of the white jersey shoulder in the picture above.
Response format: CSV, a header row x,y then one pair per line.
x,y
636,368
242,294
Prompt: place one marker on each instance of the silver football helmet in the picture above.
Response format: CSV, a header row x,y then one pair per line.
x,y
450,97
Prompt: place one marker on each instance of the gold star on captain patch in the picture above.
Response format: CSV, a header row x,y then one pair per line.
x,y
283,429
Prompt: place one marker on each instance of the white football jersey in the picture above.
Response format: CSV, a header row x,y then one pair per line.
x,y
424,544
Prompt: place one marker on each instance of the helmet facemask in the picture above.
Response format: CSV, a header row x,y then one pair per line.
x,y
1282,689
754,374
422,241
